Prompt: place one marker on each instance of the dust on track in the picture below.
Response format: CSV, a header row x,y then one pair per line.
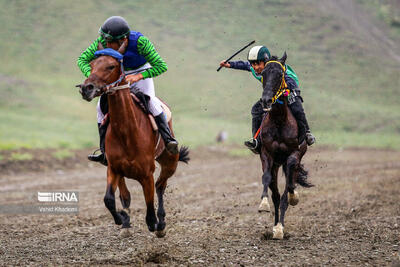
x,y
351,216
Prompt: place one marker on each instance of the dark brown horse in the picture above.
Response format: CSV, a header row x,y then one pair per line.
x,y
130,145
280,145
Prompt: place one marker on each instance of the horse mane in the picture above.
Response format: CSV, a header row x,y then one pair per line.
x,y
275,58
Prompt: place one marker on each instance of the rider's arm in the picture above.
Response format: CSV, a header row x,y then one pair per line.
x,y
88,55
240,65
291,83
146,49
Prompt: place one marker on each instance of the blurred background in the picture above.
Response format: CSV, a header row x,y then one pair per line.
x,y
346,54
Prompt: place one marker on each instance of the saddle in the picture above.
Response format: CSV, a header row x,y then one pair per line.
x,y
143,101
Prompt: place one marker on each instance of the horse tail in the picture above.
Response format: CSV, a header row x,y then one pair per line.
x,y
302,178
184,154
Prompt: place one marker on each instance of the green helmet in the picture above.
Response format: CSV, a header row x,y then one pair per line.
x,y
258,53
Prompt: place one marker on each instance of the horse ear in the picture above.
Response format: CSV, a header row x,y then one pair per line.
x,y
283,58
100,46
123,46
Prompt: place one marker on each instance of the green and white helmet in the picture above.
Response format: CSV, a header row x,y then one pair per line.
x,y
258,53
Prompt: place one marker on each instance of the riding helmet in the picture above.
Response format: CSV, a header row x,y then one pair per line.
x,y
258,53
114,28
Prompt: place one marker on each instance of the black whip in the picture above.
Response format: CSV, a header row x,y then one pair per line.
x,y
252,42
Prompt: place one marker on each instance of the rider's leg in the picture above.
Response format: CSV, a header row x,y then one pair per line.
x,y
101,107
147,87
257,113
304,130
163,127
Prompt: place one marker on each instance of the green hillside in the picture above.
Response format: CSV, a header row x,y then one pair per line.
x,y
349,78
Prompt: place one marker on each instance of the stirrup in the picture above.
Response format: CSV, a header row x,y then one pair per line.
x,y
253,145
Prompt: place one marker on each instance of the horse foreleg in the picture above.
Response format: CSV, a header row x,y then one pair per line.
x,y
275,192
148,191
109,199
289,168
277,230
266,180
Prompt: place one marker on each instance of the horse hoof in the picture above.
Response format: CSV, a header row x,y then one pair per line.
x,y
125,232
152,228
294,198
277,232
127,211
264,205
161,234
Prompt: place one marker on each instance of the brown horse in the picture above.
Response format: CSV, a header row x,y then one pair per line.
x,y
130,143
280,145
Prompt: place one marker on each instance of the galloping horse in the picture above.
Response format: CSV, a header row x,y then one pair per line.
x,y
130,143
280,145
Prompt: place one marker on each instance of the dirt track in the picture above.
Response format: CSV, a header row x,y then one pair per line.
x,y
351,216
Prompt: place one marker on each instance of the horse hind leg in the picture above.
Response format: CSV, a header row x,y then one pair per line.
x,y
291,170
109,199
125,197
168,167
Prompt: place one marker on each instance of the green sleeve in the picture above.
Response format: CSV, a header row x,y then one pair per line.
x,y
146,49
290,72
88,55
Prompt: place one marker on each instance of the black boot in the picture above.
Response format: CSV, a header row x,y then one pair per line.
x,y
254,145
257,113
100,157
170,143
304,130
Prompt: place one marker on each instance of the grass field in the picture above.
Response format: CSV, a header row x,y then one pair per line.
x,y
349,83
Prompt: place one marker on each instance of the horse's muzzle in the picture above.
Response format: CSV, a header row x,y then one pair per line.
x,y
267,104
88,91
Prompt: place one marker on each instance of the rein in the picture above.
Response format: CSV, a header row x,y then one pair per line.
x,y
283,87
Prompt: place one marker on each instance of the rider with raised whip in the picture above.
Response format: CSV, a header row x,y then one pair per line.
x,y
257,57
141,59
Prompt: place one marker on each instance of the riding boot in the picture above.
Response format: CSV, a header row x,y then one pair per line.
x,y
254,144
300,116
101,158
170,142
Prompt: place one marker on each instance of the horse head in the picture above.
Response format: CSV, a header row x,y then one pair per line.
x,y
273,77
106,71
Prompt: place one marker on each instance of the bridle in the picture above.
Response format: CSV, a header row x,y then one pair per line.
x,y
114,86
283,87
